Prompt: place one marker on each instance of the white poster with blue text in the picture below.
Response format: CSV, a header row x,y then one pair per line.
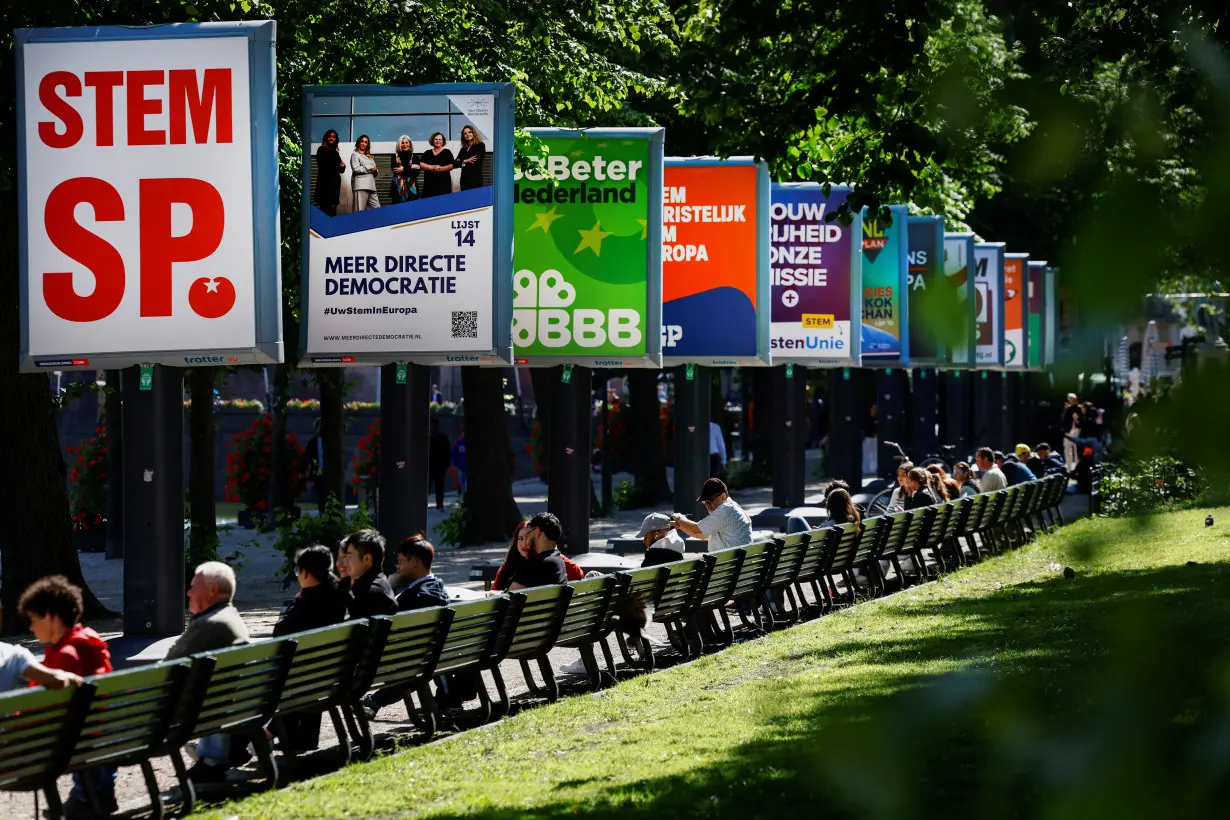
x,y
407,209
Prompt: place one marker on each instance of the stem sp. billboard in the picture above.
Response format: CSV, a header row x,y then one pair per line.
x,y
587,286
715,262
148,196
817,286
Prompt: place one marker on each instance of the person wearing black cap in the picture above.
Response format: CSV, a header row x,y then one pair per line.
x,y
726,525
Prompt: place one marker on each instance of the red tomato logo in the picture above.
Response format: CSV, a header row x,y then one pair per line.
x,y
211,298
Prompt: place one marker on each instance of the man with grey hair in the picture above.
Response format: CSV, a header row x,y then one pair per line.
x,y
215,624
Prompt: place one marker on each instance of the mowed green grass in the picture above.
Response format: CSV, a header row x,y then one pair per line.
x,y
1002,690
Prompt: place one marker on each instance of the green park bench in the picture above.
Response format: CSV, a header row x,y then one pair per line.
x,y
469,648
127,721
535,618
403,652
320,677
748,594
647,582
718,586
38,729
677,600
791,551
588,621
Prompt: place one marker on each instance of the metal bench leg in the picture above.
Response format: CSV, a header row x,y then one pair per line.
x,y
186,789
548,678
157,808
264,756
530,683
360,729
484,699
339,726
55,808
501,690
609,658
427,710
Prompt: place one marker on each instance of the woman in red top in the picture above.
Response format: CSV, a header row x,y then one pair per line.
x,y
54,607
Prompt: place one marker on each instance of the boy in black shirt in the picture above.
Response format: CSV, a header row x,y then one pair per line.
x,y
367,589
544,566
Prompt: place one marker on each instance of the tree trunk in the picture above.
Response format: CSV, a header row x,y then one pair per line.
x,y
648,454
203,540
541,379
491,512
280,497
38,534
331,381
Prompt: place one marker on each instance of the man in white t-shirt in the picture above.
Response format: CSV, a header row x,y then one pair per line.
x,y
18,668
992,477
726,525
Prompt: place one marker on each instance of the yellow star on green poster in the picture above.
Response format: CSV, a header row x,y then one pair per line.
x,y
644,223
544,220
592,239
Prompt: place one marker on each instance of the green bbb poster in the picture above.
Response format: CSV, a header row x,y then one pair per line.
x,y
587,240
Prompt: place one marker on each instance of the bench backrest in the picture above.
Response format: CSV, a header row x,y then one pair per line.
x,y
232,689
754,574
589,610
723,575
919,529
130,713
791,550
819,554
898,529
472,635
681,588
842,556
38,729
977,512
648,582
868,548
535,616
997,508
942,525
403,649
323,668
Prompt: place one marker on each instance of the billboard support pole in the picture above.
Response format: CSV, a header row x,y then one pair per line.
x,y
789,435
153,476
608,505
956,405
404,454
892,398
924,411
692,401
1011,402
845,453
569,444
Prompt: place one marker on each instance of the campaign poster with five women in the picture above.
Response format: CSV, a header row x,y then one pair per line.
x,y
407,211
885,336
587,271
715,249
816,268
989,303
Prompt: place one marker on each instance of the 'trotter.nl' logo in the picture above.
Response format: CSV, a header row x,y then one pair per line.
x,y
540,314
211,360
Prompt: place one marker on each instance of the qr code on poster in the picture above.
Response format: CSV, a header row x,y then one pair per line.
x,y
465,324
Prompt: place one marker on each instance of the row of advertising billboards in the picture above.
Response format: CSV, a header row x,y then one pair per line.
x,y
150,232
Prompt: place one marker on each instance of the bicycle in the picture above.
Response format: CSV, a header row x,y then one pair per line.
x,y
880,503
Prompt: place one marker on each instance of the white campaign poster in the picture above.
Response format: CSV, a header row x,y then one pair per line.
x,y
420,285
138,197
405,272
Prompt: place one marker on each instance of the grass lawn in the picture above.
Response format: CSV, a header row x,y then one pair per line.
x,y
1001,691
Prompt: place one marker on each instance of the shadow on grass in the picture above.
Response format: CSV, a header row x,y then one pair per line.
x,y
1104,697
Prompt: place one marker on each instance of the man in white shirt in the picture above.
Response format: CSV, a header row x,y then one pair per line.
x,y
993,478
717,449
726,525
